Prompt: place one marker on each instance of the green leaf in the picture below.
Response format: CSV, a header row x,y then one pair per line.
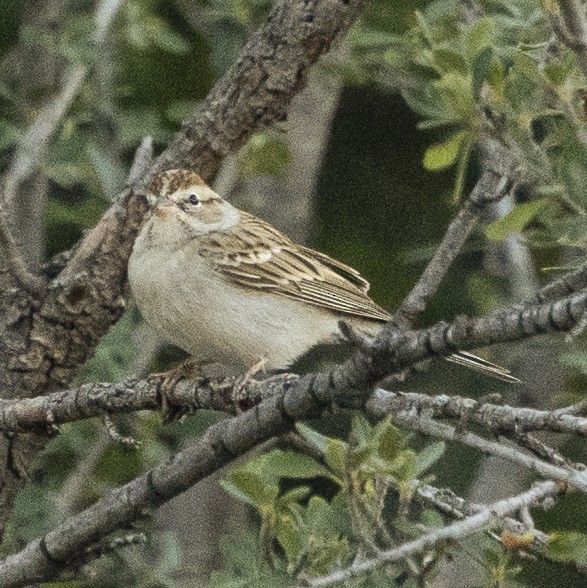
x,y
404,466
285,464
429,456
516,220
443,155
568,546
327,518
448,60
320,442
236,492
250,488
361,430
556,73
480,38
336,456
481,69
390,442
457,97
293,497
245,564
289,536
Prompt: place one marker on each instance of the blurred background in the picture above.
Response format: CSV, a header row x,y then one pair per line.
x,y
351,172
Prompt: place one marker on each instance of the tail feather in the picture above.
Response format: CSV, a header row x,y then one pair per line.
x,y
482,365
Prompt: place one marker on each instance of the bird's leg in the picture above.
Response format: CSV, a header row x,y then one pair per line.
x,y
240,395
188,369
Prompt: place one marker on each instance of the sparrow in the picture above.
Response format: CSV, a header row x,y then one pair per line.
x,y
221,283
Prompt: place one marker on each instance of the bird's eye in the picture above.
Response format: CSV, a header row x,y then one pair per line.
x,y
193,199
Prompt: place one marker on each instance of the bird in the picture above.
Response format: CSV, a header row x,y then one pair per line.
x,y
221,283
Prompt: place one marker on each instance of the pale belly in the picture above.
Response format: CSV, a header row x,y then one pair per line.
x,y
215,320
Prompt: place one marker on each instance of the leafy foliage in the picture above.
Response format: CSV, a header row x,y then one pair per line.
x,y
495,73
316,534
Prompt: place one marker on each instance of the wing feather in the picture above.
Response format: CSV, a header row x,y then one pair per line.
x,y
257,256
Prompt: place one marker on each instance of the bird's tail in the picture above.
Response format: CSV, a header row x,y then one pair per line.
x,y
482,365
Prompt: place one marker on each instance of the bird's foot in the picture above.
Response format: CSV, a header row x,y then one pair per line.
x,y
188,369
240,395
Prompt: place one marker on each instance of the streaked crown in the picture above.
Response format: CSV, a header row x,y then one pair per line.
x,y
172,180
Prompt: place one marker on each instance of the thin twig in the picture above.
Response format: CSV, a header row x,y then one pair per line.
x,y
496,417
494,183
572,476
455,531
448,503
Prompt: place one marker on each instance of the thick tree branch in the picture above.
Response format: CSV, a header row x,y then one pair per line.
x,y
44,342
230,395
455,531
225,394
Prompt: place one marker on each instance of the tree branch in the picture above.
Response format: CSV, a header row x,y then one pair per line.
x,y
498,418
448,503
230,395
568,284
575,477
495,182
455,531
224,394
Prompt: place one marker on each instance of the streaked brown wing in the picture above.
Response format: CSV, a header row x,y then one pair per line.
x,y
259,257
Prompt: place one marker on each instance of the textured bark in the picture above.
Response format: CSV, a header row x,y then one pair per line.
x,y
44,339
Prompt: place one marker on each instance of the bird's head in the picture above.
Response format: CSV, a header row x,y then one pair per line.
x,y
180,195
